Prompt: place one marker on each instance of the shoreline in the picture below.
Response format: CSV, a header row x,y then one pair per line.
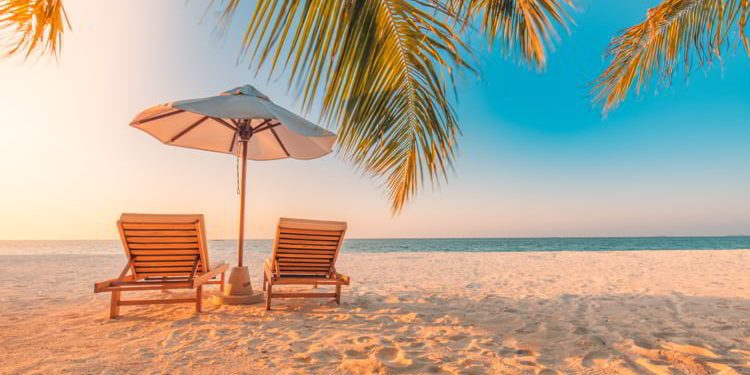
x,y
349,251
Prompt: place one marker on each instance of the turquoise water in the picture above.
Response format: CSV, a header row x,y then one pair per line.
x,y
419,245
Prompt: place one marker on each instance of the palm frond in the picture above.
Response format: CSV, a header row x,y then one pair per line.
x,y
30,27
675,32
524,28
380,69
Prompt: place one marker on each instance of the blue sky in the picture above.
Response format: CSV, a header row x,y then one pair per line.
x,y
536,157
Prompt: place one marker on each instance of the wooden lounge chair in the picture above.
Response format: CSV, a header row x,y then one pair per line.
x,y
304,253
164,252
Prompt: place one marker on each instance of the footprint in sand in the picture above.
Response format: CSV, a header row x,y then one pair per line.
x,y
458,337
356,354
580,331
324,355
393,357
590,359
416,344
528,328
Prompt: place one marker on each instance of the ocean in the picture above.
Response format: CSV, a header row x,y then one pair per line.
x,y
227,247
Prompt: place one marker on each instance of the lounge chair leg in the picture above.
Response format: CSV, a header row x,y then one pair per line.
x,y
338,294
221,286
199,299
265,280
114,305
268,296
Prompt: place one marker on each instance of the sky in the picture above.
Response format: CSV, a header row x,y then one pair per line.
x,y
536,158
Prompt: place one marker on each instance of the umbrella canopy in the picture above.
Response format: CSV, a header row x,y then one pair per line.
x,y
218,123
242,122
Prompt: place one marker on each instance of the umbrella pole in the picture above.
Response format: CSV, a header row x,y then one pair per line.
x,y
239,290
243,183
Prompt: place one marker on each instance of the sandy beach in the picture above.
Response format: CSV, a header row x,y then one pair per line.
x,y
660,312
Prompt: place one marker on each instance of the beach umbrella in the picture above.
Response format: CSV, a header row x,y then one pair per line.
x,y
242,122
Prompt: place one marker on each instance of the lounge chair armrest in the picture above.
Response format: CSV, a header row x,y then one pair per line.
x,y
344,279
202,279
268,268
102,285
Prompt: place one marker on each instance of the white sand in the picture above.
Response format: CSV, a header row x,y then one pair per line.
x,y
573,312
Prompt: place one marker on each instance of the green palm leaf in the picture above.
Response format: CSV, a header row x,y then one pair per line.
x,y
380,69
383,68
31,26
674,32
524,28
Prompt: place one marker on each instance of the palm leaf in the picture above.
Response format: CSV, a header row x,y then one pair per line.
x,y
525,28
31,26
675,32
379,68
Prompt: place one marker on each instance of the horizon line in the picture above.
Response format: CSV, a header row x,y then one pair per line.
x,y
425,238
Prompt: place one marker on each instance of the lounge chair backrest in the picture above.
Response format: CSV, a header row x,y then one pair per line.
x,y
307,247
164,245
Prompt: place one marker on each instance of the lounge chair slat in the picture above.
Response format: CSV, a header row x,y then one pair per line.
x,y
302,264
167,264
288,231
298,257
164,246
163,273
303,251
160,233
158,226
286,241
304,268
162,278
292,255
301,273
163,269
284,237
181,280
163,240
165,252
141,288
160,258
308,246
305,260
154,284
309,280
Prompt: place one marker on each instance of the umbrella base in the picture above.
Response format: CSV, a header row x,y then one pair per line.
x,y
238,289
249,299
